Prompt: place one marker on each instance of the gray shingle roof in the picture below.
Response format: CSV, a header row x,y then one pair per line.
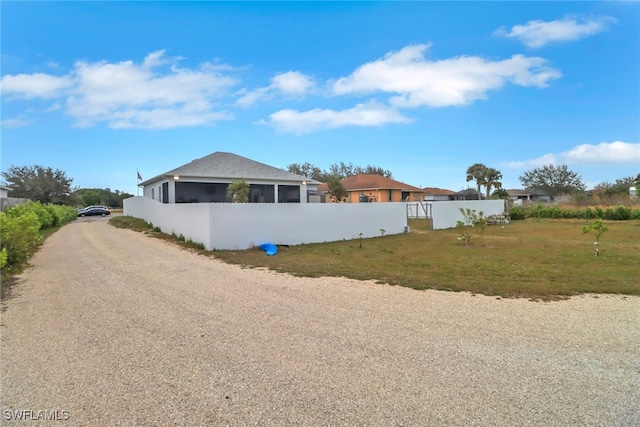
x,y
231,166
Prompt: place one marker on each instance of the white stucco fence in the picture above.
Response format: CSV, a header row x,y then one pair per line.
x,y
447,214
244,225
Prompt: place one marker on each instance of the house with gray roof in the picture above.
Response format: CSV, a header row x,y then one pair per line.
x,y
528,196
205,180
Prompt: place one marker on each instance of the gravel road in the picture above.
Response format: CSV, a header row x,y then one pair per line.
x,y
110,327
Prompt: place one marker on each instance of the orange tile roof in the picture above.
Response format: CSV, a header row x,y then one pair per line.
x,y
370,182
434,191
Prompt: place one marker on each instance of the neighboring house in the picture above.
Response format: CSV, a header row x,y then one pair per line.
x,y
528,196
432,194
4,197
205,180
376,188
6,201
467,194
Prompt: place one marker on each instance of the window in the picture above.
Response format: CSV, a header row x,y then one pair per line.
x,y
262,193
288,194
153,196
201,192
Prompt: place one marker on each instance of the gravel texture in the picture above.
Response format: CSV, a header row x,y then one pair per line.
x,y
111,327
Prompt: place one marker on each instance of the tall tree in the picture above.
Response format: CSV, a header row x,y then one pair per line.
x,y
492,178
621,186
377,170
342,170
477,171
553,180
39,183
309,170
99,196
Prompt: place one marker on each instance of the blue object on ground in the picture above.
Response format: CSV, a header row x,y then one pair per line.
x,y
269,248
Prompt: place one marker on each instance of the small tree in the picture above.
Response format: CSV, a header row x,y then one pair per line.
x,y
336,189
238,192
597,227
472,220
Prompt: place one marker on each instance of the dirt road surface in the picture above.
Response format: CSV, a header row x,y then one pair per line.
x,y
111,327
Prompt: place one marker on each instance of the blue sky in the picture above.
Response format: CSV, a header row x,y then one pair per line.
x,y
424,89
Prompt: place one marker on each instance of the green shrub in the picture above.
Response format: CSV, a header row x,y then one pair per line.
x,y
539,210
3,258
517,212
18,237
20,230
44,217
62,214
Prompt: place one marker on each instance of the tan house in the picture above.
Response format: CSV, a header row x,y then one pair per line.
x,y
376,188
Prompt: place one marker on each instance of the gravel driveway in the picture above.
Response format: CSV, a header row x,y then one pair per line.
x,y
110,327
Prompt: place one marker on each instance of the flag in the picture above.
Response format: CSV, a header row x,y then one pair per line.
x,y
139,177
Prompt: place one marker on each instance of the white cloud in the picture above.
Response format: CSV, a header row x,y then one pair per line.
x,y
130,95
603,153
37,85
369,114
538,33
17,122
612,152
291,84
456,81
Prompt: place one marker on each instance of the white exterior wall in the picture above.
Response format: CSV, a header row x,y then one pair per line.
x,y
189,219
156,185
447,214
243,225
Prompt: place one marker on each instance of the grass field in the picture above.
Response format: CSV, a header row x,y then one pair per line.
x,y
539,259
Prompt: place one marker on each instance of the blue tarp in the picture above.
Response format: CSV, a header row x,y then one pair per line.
x,y
269,248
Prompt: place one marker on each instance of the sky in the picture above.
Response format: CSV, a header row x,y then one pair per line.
x,y
103,90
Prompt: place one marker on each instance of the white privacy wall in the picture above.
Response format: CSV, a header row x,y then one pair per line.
x,y
243,225
447,214
190,220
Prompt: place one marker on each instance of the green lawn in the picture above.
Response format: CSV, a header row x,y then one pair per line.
x,y
533,258
539,259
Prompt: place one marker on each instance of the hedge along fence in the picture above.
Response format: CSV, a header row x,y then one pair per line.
x,y
20,228
539,210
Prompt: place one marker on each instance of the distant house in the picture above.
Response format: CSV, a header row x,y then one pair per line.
x,y
467,194
205,180
528,196
376,188
433,194
4,197
6,201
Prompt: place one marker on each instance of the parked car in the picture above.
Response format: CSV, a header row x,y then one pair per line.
x,y
92,211
92,206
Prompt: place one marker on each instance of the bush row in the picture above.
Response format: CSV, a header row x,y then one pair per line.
x,y
539,210
20,230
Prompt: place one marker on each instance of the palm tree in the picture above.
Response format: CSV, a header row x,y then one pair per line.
x,y
492,178
477,171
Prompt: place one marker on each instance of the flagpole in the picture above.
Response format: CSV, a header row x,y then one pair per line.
x,y
138,182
